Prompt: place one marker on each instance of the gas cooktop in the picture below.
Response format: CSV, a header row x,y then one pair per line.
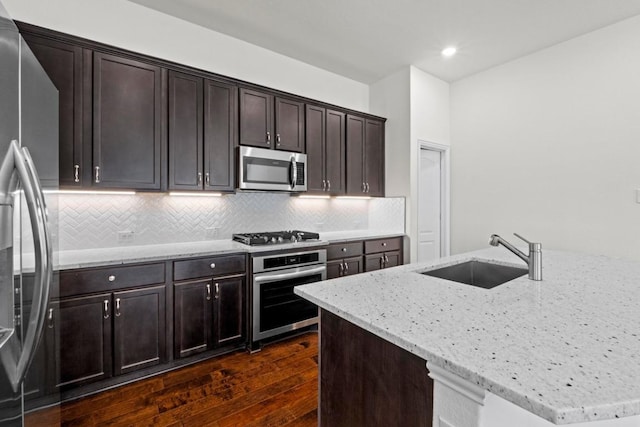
x,y
275,237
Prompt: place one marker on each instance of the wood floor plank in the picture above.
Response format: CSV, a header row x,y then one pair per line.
x,y
276,386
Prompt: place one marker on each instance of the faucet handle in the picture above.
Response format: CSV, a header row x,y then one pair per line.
x,y
532,246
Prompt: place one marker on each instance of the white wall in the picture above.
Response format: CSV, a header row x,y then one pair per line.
x,y
416,105
549,146
134,27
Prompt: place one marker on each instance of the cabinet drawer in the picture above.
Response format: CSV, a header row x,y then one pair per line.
x,y
102,279
207,267
344,250
382,245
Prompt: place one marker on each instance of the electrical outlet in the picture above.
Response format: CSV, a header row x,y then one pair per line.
x,y
212,232
125,236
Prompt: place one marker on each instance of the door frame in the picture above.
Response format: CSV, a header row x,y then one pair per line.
x,y
445,193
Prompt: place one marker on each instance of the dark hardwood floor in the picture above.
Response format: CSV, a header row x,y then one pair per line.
x,y
275,387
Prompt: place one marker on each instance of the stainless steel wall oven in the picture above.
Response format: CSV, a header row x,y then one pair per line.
x,y
276,309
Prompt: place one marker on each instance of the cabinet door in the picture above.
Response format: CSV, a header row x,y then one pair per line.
x,y
63,64
127,123
355,155
374,157
229,311
139,328
373,262
289,125
335,152
192,317
220,120
334,269
81,340
185,132
393,259
315,147
256,118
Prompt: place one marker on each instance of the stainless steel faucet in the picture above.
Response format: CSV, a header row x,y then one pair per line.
x,y
533,260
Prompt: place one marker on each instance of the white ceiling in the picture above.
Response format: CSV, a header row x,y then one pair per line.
x,y
367,40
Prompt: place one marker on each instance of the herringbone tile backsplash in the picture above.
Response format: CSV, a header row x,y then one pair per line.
x,y
96,221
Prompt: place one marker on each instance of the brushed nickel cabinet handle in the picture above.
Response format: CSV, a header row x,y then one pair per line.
x,y
340,269
217,295
76,173
328,185
106,309
208,292
97,168
346,268
207,178
278,139
199,177
364,187
117,307
268,137
50,319
324,185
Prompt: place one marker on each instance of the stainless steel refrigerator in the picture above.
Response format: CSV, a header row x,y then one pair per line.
x,y
28,145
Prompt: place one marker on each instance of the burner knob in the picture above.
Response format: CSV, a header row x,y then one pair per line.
x,y
265,238
273,240
293,239
280,239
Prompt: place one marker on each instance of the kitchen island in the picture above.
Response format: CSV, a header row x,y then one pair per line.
x,y
561,351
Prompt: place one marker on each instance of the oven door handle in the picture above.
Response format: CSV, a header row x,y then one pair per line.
x,y
273,277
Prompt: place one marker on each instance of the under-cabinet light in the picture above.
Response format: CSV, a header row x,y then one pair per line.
x,y
105,193
194,194
353,197
312,196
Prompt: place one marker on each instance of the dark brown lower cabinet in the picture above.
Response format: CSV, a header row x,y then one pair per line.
x,y
344,267
139,329
90,338
80,335
382,260
208,314
368,381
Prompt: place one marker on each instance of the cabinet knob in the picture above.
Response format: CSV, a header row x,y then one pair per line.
x,y
384,243
344,249
213,265
111,278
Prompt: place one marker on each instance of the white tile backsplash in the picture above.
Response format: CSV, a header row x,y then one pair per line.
x,y
94,221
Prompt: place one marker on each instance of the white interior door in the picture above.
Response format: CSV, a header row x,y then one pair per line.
x,y
430,205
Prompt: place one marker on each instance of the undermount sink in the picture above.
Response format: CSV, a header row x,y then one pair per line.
x,y
478,273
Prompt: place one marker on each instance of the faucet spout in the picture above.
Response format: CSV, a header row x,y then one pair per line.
x,y
533,259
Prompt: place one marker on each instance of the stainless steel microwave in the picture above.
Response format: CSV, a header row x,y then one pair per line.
x,y
262,169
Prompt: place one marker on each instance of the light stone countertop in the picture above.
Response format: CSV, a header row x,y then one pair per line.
x,y
566,348
87,258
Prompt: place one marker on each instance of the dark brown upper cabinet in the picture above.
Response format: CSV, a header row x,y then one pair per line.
x,y
271,122
289,125
128,123
202,133
185,132
325,148
365,156
63,63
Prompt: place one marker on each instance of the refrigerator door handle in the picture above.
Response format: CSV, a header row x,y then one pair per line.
x,y
19,356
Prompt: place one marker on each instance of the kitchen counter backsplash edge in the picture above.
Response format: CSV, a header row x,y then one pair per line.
x,y
87,258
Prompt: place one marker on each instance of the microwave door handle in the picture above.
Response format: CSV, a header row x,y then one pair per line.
x,y
294,173
43,267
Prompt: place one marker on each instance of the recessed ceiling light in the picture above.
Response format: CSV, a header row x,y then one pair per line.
x,y
449,51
